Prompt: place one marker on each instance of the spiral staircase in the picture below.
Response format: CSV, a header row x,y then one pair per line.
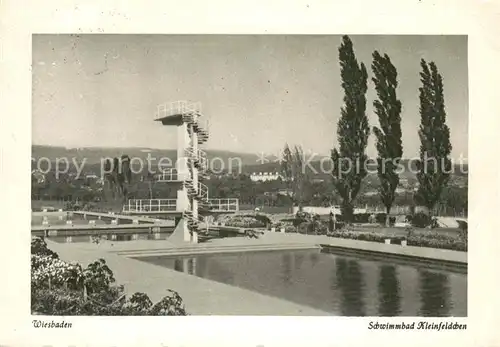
x,y
192,195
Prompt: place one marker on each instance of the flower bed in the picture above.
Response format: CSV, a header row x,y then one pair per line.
x,y
246,220
429,240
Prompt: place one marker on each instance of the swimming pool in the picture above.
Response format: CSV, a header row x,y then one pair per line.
x,y
60,218
110,237
338,284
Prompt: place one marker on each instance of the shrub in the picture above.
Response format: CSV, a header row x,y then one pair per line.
x,y
372,237
429,240
263,219
39,247
423,220
299,221
339,225
61,288
441,242
380,219
339,218
303,228
247,221
463,225
362,218
320,227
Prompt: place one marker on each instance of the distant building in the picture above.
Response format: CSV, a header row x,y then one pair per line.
x,y
403,182
265,176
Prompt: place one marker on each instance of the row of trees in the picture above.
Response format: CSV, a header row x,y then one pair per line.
x,y
353,131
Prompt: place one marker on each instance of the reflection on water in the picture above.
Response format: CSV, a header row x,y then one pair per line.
x,y
389,292
314,258
338,284
351,285
287,268
108,237
434,293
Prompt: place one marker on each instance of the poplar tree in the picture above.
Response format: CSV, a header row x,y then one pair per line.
x,y
349,158
287,164
389,144
435,147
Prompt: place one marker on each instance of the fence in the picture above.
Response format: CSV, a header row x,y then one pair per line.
x,y
150,205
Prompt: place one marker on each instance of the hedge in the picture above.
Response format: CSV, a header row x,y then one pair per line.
x,y
431,241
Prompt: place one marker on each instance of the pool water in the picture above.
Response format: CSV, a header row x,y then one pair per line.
x,y
341,285
109,238
77,219
61,220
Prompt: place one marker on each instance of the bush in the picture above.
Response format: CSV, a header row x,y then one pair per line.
x,y
441,242
380,219
430,240
422,220
299,221
463,225
61,288
263,219
320,227
39,247
248,221
372,237
362,218
303,228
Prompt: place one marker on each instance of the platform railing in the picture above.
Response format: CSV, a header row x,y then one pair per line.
x,y
150,205
169,175
222,205
202,191
181,107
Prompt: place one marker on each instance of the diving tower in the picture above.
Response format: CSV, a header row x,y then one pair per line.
x,y
191,166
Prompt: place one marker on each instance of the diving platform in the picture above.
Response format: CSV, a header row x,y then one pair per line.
x,y
192,202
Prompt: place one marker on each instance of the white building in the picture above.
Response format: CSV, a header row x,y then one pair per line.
x,y
265,176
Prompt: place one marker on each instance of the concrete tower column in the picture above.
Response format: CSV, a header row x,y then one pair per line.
x,y
183,174
194,144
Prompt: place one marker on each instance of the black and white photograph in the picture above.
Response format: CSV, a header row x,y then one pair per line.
x,y
226,173
249,175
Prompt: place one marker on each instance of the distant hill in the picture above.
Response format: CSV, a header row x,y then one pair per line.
x,y
94,155
249,162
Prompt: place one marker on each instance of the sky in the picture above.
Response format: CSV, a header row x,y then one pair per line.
x,y
257,92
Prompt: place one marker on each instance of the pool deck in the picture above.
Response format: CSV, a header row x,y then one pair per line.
x,y
206,297
276,241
